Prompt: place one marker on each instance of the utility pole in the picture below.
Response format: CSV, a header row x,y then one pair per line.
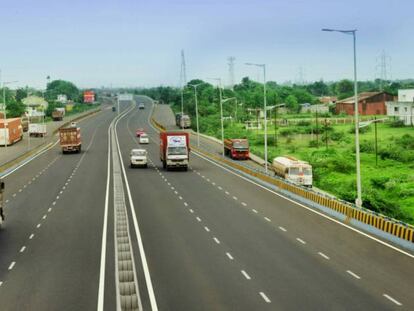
x,y
317,129
183,80
231,60
376,142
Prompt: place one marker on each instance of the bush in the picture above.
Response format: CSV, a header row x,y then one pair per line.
x,y
313,144
303,123
366,146
288,132
337,136
397,123
362,130
379,182
406,142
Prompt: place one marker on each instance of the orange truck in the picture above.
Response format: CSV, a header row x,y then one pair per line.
x,y
70,139
11,131
237,148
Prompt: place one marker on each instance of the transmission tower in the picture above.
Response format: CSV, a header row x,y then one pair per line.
x,y
231,60
383,68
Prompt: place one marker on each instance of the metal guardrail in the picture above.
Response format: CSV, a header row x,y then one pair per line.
x,y
384,223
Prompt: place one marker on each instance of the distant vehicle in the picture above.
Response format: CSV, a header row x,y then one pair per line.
x,y
73,124
141,106
138,157
25,123
182,120
37,129
143,139
11,131
174,149
70,139
57,115
237,148
293,170
139,131
113,108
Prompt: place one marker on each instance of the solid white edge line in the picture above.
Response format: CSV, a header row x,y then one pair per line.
x,y
392,299
353,274
148,281
101,289
308,208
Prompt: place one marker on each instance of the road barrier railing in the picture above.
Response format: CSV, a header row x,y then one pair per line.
x,y
384,223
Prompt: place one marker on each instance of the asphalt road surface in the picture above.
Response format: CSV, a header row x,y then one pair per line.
x,y
205,239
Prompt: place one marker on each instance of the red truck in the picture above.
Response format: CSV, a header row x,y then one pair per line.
x,y
174,149
70,139
237,148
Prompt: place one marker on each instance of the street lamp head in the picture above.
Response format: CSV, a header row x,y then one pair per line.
x,y
327,29
348,32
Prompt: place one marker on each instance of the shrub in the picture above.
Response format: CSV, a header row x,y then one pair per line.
x,y
337,136
288,132
367,146
303,123
362,130
313,144
397,123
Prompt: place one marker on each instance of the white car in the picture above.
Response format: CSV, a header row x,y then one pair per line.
x,y
143,139
139,157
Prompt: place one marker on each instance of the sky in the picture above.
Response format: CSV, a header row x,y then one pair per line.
x,y
129,43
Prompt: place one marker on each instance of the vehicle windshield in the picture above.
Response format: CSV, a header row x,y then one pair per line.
x,y
177,150
294,171
138,153
144,136
307,171
241,145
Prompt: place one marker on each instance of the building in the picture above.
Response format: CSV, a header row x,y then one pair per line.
x,y
403,108
369,103
328,99
320,108
88,97
35,106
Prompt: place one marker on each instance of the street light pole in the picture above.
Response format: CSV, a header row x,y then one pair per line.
x,y
4,115
196,108
263,66
221,110
352,32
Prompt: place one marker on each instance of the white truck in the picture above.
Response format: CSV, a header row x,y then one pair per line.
x,y
37,129
293,170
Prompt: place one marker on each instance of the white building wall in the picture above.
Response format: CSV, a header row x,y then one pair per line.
x,y
406,95
402,110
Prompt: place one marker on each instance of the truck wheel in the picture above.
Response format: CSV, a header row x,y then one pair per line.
x,y
185,168
164,164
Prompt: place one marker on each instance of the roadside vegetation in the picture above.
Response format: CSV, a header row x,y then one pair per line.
x,y
387,184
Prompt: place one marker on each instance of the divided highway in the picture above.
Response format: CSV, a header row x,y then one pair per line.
x,y
205,239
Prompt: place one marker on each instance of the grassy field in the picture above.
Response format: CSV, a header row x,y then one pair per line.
x,y
387,187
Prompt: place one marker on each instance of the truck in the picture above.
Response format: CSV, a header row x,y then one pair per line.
x,y
37,129
57,115
294,170
174,150
237,148
11,131
182,120
70,139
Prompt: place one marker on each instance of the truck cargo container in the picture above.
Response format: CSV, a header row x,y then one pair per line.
x,y
57,115
237,148
37,129
11,131
182,120
293,170
174,149
70,139
1,201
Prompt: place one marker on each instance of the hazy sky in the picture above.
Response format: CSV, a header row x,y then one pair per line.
x,y
137,43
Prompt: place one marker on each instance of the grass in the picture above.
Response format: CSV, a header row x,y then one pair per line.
x,y
387,187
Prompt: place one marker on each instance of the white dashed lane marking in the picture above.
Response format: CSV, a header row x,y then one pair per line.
x,y
392,299
300,240
283,229
267,219
245,275
265,298
191,211
216,240
38,226
185,204
244,204
353,274
254,210
323,255
198,219
31,236
12,265
207,229
229,256
22,249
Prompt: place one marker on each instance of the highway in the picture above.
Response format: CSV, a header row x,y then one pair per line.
x,y
206,239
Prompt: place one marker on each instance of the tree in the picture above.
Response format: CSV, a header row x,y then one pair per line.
x,y
20,94
319,88
58,87
344,88
292,103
